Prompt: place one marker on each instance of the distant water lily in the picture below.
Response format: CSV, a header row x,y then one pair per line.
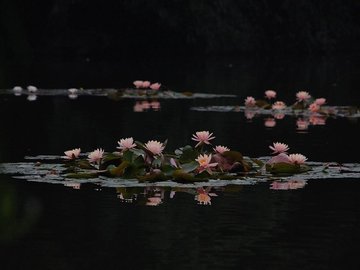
x,y
280,158
320,101
302,96
154,147
297,159
221,149
269,94
32,88
141,84
155,86
17,89
96,156
250,101
202,137
73,90
204,163
278,147
279,105
126,144
146,84
72,154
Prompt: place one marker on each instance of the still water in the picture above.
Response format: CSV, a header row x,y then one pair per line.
x,y
269,225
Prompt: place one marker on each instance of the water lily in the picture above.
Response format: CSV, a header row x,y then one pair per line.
x,y
155,86
320,101
96,156
204,163
269,94
138,84
313,107
202,137
126,144
72,154
146,84
73,90
278,147
221,149
250,101
17,89
279,105
154,147
297,159
32,89
280,158
302,96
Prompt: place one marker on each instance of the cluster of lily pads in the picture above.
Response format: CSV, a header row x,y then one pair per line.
x,y
149,162
303,101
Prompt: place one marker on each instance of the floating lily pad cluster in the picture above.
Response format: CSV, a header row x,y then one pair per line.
x,y
149,162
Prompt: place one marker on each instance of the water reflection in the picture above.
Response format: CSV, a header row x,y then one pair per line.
x,y
145,105
155,196
32,97
288,184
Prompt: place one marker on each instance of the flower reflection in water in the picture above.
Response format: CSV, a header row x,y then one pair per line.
x,y
32,97
143,106
203,196
288,185
73,185
317,120
155,196
250,113
270,122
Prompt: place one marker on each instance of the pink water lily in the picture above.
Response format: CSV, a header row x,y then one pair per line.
x,y
155,86
202,137
154,147
96,156
138,84
250,101
141,84
297,159
146,84
221,149
320,101
269,94
278,147
204,163
72,154
32,89
280,158
279,105
313,107
302,96
126,144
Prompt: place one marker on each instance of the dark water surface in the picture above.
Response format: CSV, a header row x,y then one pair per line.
x,y
45,226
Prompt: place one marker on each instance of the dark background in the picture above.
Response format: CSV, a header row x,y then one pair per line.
x,y
115,29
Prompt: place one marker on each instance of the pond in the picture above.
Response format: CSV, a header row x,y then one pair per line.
x,y
298,223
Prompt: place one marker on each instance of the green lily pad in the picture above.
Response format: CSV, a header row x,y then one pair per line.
x,y
286,168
